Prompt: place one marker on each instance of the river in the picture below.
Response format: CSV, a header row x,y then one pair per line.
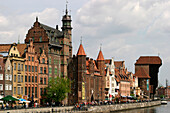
x,y
155,109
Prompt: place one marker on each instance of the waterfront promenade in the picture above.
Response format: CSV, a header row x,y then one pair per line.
x,y
90,109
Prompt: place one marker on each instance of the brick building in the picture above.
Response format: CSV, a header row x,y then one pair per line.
x,y
2,77
146,69
88,77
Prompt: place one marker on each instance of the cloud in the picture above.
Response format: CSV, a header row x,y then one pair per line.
x,y
14,26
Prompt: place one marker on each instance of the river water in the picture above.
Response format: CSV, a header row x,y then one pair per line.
x,y
155,109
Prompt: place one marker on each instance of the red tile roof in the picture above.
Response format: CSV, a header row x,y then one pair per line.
x,y
81,50
5,47
149,60
108,61
118,64
141,73
100,56
21,48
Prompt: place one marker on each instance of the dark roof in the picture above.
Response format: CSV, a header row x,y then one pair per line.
x,y
149,60
141,73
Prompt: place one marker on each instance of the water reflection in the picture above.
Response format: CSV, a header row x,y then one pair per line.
x,y
156,109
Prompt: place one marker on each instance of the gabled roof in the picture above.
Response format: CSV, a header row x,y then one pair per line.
x,y
100,56
118,64
141,73
21,48
149,60
81,51
5,47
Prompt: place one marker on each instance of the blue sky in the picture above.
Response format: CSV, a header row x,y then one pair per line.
x,y
127,29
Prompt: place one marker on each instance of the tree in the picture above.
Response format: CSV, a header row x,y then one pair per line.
x,y
58,88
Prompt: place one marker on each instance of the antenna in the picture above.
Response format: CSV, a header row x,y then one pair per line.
x,y
66,7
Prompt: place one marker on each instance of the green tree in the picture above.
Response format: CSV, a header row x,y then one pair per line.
x,y
58,88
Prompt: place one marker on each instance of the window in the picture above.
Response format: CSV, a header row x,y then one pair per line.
x,y
29,89
41,80
19,78
6,77
33,39
25,78
44,90
1,76
55,71
44,80
50,70
1,86
14,90
40,50
10,87
10,77
32,68
25,67
32,58
44,70
40,39
29,68
21,67
19,90
15,78
32,78
6,86
0,67
35,78
35,92
29,79
35,68
32,91
14,66
43,61
41,70
29,58
25,90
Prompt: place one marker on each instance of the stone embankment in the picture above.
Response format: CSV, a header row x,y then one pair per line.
x,y
119,107
40,110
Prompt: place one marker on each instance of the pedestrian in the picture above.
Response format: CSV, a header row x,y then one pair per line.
x,y
7,105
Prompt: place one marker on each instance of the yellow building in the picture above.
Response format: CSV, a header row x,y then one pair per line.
x,y
18,69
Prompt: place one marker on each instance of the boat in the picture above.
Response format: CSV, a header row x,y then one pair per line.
x,y
163,101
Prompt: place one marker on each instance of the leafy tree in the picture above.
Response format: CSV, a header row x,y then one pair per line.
x,y
58,88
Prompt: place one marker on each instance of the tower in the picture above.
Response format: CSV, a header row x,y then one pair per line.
x,y
66,42
81,59
100,65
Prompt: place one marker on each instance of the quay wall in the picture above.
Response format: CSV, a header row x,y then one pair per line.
x,y
39,110
119,107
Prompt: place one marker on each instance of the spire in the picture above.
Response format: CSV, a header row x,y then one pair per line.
x,y
36,18
66,7
81,51
18,39
100,56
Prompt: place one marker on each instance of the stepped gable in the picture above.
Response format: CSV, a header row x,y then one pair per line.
x,y
141,73
100,56
81,51
149,60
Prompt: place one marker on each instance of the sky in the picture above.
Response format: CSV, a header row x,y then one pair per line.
x,y
127,29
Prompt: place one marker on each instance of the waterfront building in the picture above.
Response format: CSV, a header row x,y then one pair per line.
x,y
146,69
31,72
8,76
18,69
87,76
2,77
42,76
